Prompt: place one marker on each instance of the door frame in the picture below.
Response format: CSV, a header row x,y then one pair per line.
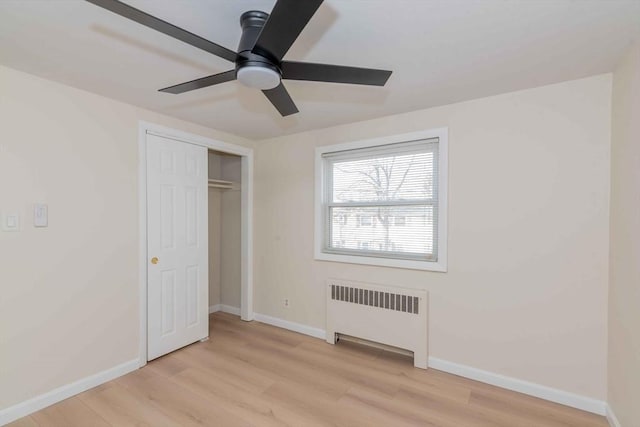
x,y
246,154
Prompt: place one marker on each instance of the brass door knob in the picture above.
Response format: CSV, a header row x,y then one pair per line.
x,y
154,260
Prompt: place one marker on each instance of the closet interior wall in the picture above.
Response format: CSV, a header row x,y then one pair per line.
x,y
224,229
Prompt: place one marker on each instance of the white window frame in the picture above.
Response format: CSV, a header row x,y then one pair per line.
x,y
440,264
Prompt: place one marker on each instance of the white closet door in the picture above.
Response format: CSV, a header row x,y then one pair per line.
x,y
177,245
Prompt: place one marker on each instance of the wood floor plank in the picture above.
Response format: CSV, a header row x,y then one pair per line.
x,y
252,374
23,422
259,332
181,405
248,406
69,413
317,406
119,407
168,365
443,410
281,364
369,405
531,411
239,373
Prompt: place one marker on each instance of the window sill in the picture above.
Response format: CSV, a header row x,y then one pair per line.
x,y
383,262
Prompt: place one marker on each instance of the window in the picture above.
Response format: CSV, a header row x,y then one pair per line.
x,y
383,202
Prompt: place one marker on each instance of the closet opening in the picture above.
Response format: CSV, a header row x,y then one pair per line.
x,y
225,254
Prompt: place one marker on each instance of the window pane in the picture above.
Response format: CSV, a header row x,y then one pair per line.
x,y
385,178
385,229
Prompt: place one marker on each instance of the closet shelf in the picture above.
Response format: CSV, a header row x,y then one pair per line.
x,y
219,183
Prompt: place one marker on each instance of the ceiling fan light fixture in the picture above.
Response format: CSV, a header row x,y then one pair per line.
x,y
258,77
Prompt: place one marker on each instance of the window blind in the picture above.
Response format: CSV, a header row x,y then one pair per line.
x,y
383,201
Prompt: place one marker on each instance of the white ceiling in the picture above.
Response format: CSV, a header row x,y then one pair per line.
x,y
440,51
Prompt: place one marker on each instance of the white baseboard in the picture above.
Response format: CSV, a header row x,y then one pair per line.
x,y
225,309
611,417
292,326
521,386
30,406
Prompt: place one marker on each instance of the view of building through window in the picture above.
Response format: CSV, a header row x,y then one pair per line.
x,y
385,203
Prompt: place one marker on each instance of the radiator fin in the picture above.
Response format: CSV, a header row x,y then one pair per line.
x,y
386,300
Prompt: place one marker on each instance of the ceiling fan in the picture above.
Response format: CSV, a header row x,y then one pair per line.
x,y
259,61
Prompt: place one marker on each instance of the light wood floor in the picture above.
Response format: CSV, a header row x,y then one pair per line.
x,y
251,374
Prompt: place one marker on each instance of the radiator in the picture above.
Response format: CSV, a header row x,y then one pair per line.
x,y
381,314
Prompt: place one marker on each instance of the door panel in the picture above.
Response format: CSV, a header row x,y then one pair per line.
x,y
168,298
177,238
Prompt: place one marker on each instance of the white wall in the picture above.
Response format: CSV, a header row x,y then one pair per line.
x,y
624,291
231,233
230,250
215,232
526,291
69,292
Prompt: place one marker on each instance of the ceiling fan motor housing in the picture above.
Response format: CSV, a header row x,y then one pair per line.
x,y
255,69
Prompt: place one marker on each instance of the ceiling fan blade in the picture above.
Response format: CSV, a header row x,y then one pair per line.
x,y
280,99
164,27
286,21
333,73
215,79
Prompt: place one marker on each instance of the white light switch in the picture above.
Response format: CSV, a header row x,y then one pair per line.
x,y
11,222
40,215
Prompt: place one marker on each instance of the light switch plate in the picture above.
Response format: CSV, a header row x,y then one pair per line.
x,y
11,222
40,215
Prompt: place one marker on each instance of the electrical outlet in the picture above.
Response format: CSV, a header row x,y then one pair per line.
x,y
286,303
